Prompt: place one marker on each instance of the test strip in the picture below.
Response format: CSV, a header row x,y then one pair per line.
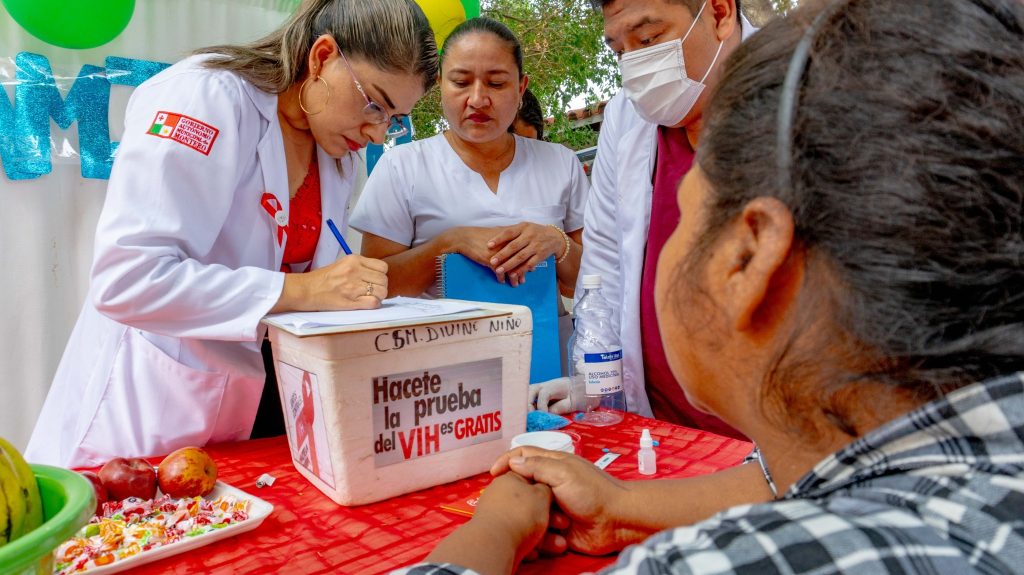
x,y
606,459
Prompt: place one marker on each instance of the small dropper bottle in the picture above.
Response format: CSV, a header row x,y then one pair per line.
x,y
646,460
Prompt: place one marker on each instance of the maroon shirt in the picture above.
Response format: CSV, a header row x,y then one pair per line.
x,y
675,157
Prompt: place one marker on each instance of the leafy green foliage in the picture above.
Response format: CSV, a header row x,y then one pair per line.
x,y
760,11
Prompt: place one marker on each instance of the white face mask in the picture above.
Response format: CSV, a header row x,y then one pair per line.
x,y
655,80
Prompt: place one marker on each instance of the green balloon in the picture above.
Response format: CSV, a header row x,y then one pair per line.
x,y
74,24
472,8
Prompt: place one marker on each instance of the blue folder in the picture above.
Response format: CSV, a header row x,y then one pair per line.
x,y
461,278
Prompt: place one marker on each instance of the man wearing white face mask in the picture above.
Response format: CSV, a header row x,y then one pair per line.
x,y
670,55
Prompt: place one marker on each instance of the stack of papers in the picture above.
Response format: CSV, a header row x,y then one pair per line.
x,y
394,309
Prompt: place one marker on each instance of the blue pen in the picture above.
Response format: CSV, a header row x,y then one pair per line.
x,y
337,234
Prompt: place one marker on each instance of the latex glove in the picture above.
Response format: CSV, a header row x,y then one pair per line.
x,y
552,396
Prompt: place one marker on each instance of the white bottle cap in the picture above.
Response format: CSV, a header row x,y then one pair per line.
x,y
591,281
553,440
645,439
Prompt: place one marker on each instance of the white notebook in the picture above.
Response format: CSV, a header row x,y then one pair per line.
x,y
393,309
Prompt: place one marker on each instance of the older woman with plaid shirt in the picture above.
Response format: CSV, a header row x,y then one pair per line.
x,y
848,277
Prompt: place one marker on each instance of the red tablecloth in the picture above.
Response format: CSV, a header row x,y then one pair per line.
x,y
309,533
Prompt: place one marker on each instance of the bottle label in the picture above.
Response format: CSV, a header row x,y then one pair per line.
x,y
603,372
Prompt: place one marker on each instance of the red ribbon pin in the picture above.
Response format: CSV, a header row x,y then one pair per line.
x,y
274,207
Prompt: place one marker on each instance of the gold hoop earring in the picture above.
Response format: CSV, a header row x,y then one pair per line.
x,y
302,90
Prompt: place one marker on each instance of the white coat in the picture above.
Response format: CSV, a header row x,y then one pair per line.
x,y
166,351
615,226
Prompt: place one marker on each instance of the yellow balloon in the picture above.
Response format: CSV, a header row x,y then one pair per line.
x,y
444,16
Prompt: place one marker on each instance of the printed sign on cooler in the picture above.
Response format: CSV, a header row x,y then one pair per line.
x,y
420,413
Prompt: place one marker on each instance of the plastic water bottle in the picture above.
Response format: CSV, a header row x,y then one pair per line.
x,y
596,358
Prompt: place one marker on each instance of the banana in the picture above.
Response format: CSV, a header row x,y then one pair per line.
x,y
29,487
16,502
5,524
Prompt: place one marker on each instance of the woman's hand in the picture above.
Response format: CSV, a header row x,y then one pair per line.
x,y
508,523
585,494
518,507
521,247
471,242
352,282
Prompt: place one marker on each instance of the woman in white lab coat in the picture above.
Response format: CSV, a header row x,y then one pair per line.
x,y
200,211
477,189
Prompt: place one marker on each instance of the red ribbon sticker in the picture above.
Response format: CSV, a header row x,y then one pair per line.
x,y
274,207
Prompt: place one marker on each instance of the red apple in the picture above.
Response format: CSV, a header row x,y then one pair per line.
x,y
126,478
187,472
101,490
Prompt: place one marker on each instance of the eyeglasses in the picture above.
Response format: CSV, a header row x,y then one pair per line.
x,y
373,111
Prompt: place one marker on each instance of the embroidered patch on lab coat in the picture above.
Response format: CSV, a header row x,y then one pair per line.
x,y
185,130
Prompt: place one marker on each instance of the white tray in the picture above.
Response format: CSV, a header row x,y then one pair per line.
x,y
258,511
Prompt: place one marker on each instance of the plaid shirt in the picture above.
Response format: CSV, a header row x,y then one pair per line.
x,y
940,490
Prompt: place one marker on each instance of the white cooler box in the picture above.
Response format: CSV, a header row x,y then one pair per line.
x,y
377,410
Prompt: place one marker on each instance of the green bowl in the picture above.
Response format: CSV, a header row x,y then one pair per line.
x,y
68,503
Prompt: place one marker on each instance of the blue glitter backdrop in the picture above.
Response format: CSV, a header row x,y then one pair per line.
x,y
25,140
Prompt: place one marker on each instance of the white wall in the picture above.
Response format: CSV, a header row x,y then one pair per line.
x,y
47,224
